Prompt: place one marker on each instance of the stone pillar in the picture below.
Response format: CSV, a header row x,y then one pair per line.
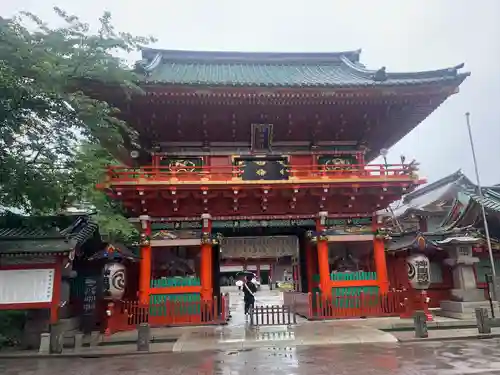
x,y
465,296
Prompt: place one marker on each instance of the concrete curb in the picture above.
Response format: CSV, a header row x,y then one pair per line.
x,y
79,355
244,346
449,338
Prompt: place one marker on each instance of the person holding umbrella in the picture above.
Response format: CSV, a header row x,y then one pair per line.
x,y
249,290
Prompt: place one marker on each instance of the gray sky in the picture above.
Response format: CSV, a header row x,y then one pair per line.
x,y
407,35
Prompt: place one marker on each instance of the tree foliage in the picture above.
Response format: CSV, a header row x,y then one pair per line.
x,y
90,162
45,116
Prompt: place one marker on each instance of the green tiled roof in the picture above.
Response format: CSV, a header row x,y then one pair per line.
x,y
19,234
490,198
36,246
341,69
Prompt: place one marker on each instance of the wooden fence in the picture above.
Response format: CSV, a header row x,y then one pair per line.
x,y
127,315
317,307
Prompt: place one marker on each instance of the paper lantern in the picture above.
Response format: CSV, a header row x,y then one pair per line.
x,y
114,281
419,271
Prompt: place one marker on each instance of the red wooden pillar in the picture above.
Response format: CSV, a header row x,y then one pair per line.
x,y
323,259
380,262
206,259
145,262
257,271
56,292
310,265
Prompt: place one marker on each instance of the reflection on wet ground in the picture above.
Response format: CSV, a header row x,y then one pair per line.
x,y
478,357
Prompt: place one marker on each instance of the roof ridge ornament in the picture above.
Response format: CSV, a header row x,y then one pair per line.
x,y
380,75
145,66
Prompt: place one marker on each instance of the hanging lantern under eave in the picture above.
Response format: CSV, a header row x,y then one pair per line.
x,y
419,271
114,280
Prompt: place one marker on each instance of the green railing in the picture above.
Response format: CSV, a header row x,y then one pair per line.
x,y
175,281
348,296
353,276
184,304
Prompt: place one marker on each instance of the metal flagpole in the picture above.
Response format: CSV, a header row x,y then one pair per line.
x,y
480,193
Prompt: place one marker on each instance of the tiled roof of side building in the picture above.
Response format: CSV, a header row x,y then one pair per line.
x,y
490,198
338,69
42,234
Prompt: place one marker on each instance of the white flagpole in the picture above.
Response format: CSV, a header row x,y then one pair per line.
x,y
480,193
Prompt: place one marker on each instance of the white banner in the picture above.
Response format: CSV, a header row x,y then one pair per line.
x,y
26,286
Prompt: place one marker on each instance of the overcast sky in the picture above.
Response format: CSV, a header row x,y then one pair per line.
x,y
407,35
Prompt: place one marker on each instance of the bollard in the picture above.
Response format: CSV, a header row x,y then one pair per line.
x,y
56,338
420,323
44,343
483,321
143,337
78,340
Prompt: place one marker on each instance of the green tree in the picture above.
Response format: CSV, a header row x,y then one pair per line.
x,y
90,162
50,130
44,115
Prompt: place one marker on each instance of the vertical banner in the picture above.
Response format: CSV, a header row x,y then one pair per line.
x,y
262,137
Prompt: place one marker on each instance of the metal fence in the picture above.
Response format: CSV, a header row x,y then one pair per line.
x,y
271,315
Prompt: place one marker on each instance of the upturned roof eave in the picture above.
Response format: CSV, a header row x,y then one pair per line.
x,y
315,76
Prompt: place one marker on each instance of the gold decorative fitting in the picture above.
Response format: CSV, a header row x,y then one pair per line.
x,y
261,172
182,166
144,240
260,163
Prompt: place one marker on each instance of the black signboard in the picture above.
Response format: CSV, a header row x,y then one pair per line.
x,y
90,295
262,136
254,168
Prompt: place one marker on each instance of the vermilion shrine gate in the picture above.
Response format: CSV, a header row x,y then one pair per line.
x,y
241,148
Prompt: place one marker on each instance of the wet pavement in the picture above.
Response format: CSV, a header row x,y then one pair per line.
x,y
238,335
478,357
262,298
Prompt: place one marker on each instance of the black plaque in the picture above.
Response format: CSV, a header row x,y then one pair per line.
x,y
90,294
269,168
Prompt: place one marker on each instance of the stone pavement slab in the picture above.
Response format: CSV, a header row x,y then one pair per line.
x,y
428,358
323,333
